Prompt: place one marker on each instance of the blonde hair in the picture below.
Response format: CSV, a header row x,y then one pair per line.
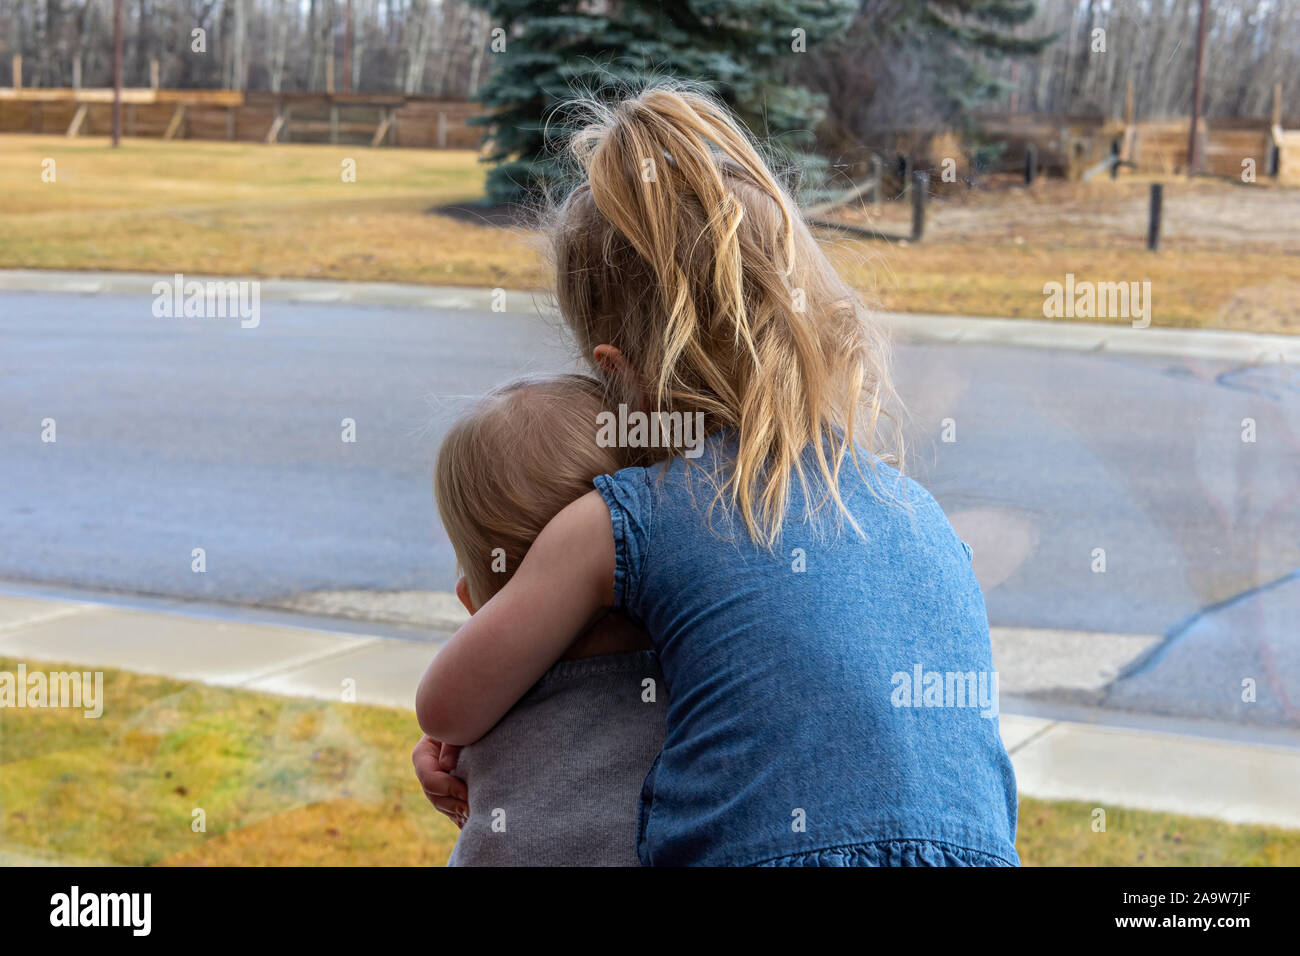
x,y
510,464
683,250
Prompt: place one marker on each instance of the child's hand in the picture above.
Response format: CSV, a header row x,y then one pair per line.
x,y
433,762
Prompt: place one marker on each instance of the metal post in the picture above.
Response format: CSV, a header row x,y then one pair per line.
x,y
875,176
1153,217
920,189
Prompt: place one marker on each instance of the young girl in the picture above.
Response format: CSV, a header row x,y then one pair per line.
x,y
822,635
557,782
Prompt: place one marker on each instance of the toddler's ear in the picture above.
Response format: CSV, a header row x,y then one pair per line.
x,y
611,360
462,592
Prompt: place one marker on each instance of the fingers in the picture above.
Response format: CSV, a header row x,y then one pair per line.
x,y
450,754
439,784
425,757
455,810
448,794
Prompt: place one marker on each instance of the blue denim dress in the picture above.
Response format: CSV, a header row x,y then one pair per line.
x,y
830,703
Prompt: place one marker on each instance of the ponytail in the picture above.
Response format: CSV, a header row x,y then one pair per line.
x,y
684,251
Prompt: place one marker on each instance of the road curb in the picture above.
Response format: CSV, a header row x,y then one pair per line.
x,y
1244,347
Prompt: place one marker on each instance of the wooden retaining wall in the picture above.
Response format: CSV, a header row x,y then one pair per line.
x,y
424,122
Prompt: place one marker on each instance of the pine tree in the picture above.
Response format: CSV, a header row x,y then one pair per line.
x,y
746,52
962,36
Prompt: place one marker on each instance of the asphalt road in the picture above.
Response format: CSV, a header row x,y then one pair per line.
x,y
176,434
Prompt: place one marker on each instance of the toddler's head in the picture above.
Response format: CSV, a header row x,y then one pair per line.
x,y
510,464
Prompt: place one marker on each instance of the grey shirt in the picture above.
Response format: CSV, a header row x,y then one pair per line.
x,y
558,781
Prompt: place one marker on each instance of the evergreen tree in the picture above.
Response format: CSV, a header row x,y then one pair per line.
x,y
746,52
975,31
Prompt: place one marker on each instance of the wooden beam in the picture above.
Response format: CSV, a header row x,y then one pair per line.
x,y
153,74
77,119
70,95
384,126
18,71
173,127
871,184
273,134
200,97
324,126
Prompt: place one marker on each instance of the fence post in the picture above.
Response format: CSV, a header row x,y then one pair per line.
x,y
920,189
1153,216
442,130
18,71
875,177
1031,164
76,72
907,175
1114,158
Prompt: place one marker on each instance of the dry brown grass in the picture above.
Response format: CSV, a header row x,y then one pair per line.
x,y
290,782
1231,257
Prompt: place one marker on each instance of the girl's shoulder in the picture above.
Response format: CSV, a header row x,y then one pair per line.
x,y
681,487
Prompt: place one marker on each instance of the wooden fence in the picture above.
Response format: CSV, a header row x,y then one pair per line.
x,y
375,119
1070,146
1066,146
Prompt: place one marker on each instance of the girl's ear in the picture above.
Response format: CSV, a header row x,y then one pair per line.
x,y
462,592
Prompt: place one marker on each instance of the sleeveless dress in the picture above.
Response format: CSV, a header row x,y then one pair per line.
x,y
831,702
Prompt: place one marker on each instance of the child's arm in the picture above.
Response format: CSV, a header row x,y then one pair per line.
x,y
513,639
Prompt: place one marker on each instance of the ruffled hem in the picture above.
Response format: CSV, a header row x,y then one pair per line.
x,y
891,853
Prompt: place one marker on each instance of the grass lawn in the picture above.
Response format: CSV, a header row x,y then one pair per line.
x,y
1231,257
285,781
281,781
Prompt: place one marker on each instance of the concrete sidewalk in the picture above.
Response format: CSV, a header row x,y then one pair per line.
x,y
1094,757
226,651
1250,348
